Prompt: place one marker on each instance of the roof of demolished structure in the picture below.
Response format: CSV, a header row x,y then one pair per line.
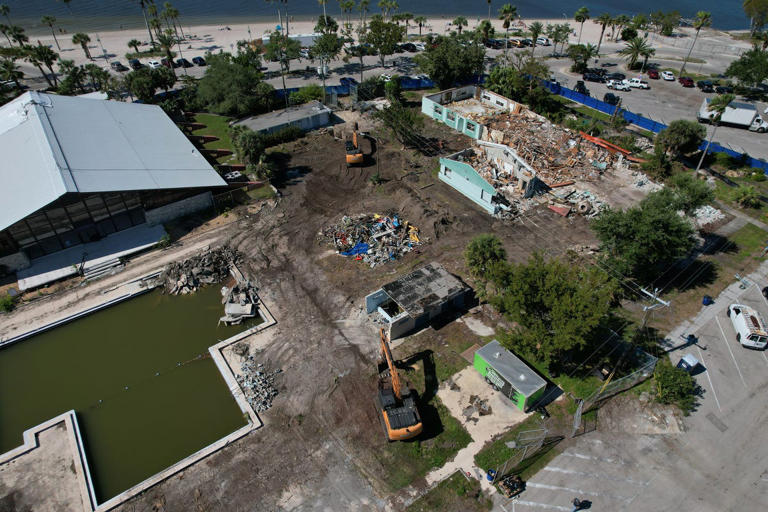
x,y
424,289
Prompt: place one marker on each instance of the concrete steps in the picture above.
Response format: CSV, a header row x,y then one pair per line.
x,y
103,268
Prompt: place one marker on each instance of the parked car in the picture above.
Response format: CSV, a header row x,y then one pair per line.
x,y
653,74
168,63
199,61
608,64
668,76
611,98
153,64
516,43
618,85
420,47
705,86
638,83
686,81
135,64
749,326
408,47
616,76
581,88
118,66
592,77
596,71
725,89
543,41
385,77
347,80
184,63
527,42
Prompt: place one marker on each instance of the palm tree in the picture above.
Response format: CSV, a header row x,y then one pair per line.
x,y
171,15
761,38
346,7
460,22
17,34
5,30
634,49
406,17
507,13
40,56
323,2
134,43
5,11
485,29
50,21
82,40
645,54
156,26
621,21
581,16
639,22
363,8
166,42
536,29
420,21
603,20
489,10
755,10
143,5
703,19
10,71
718,104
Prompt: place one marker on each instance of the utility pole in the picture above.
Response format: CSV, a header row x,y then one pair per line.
x,y
657,303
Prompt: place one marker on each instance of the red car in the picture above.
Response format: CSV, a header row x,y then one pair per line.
x,y
686,81
652,73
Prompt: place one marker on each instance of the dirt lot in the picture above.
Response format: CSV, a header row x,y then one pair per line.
x,y
318,449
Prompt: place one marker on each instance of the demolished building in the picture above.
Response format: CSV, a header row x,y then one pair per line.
x,y
410,302
517,153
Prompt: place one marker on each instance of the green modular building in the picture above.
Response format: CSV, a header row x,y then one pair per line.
x,y
511,376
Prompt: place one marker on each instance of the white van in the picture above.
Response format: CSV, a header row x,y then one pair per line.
x,y
749,326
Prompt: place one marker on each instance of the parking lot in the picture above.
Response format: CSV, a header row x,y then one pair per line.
x,y
719,464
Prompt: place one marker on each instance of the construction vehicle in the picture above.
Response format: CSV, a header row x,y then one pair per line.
x,y
399,414
354,153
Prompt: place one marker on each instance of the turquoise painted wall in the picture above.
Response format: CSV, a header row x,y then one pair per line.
x,y
466,180
449,117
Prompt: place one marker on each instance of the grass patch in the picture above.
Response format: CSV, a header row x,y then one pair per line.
x,y
217,126
442,438
749,240
148,53
264,192
496,453
589,112
454,494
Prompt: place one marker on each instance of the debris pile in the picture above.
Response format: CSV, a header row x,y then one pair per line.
x,y
373,239
240,302
211,266
706,215
258,384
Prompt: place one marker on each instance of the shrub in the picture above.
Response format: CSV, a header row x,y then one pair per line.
x,y
6,303
756,174
746,196
725,160
307,94
286,134
675,386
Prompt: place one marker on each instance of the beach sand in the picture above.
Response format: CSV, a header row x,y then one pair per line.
x,y
203,38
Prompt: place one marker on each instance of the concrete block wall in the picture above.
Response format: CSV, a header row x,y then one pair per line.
x,y
452,173
15,262
179,208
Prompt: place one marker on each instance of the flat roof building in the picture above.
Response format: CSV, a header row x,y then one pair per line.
x,y
410,302
509,374
77,171
308,116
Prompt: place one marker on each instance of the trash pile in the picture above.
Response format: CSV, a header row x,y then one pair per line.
x,y
582,201
705,215
211,266
258,384
240,302
373,239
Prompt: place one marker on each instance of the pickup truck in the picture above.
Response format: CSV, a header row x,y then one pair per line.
x,y
618,85
638,83
738,114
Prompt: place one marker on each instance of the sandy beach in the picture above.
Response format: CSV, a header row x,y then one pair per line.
x,y
204,38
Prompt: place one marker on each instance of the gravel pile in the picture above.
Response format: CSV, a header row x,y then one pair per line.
x,y
707,215
258,383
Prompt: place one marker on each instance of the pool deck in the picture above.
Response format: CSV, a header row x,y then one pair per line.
x,y
21,469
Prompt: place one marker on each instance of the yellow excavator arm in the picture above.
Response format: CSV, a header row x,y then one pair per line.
x,y
386,352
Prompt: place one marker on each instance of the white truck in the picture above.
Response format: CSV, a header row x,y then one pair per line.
x,y
638,83
618,85
749,326
738,114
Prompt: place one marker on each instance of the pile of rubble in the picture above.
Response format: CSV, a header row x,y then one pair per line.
x,y
558,154
240,303
258,384
373,239
706,215
210,266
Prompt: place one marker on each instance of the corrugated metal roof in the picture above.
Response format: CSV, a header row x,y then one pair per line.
x,y
52,145
509,366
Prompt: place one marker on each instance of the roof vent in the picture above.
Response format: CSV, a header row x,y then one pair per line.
x,y
497,355
522,377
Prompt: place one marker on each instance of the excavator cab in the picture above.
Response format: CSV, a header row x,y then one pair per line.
x,y
399,412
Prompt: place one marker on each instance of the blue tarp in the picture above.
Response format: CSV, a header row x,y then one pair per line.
x,y
359,248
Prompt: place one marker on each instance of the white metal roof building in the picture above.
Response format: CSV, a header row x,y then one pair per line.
x,y
74,170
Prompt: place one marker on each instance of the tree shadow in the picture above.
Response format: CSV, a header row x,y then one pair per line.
x,y
695,274
291,176
714,244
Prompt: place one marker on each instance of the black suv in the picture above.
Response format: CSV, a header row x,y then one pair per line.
x,y
705,86
592,77
611,98
616,76
135,64
724,89
581,88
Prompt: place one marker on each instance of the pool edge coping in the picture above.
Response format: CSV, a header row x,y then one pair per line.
x,y
85,482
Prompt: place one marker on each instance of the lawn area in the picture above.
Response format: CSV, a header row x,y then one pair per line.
x,y
589,112
725,193
218,126
454,494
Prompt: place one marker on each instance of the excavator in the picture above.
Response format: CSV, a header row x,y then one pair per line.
x,y
354,153
399,414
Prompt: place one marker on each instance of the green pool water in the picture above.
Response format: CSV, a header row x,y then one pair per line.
x,y
139,377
